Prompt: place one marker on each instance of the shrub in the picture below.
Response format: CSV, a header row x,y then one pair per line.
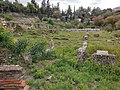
x,y
39,74
50,22
6,39
38,51
117,25
18,28
8,17
109,28
20,46
68,25
75,23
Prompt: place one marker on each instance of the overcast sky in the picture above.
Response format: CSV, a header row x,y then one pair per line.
x,y
85,3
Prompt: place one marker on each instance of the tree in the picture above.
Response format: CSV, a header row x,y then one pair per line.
x,y
112,20
96,11
117,24
98,20
48,8
56,12
17,7
74,13
43,8
69,12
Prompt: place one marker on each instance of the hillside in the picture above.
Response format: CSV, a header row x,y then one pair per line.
x,y
45,48
60,69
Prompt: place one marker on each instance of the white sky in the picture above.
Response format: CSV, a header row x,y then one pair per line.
x,y
85,3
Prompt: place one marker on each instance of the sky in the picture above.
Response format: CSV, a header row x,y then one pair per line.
x,y
103,4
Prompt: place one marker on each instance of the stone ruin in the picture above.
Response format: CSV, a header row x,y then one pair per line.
x,y
11,78
82,55
103,57
12,26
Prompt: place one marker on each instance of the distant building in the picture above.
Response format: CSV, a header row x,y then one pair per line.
x,y
116,9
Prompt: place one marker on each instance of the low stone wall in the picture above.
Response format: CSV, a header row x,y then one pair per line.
x,y
104,59
11,78
12,26
10,72
82,54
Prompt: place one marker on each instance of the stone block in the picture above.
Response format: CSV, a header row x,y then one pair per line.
x,y
103,57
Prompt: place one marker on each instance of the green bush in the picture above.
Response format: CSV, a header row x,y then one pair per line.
x,y
6,39
18,28
39,51
50,22
39,74
7,17
20,46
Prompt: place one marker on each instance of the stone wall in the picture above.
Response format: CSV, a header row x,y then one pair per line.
x,y
12,78
104,58
82,54
12,26
8,72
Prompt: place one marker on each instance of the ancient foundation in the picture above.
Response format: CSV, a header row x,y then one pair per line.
x,y
11,78
103,57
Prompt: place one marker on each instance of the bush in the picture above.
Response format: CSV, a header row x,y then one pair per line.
x,y
75,23
38,51
50,22
68,25
117,25
20,46
7,17
109,28
18,28
39,74
6,39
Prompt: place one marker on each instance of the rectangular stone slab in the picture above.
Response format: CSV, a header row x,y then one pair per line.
x,y
10,68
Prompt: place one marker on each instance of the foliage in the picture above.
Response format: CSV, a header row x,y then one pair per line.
x,y
98,21
117,24
69,25
112,20
7,17
20,46
39,74
38,51
18,28
50,21
6,39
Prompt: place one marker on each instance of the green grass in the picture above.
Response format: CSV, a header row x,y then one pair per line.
x,y
66,72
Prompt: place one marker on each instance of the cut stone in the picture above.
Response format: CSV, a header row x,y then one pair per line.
x,y
103,57
99,52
